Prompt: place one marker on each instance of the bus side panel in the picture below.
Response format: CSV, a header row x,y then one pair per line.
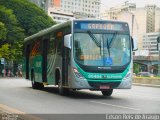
x,y
51,58
54,62
35,60
54,58
37,65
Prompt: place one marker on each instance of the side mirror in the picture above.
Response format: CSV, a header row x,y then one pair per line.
x,y
68,41
134,44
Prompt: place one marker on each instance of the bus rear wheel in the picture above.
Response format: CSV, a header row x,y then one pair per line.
x,y
36,85
107,92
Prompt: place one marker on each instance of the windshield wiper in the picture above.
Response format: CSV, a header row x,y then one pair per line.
x,y
108,47
108,44
112,39
94,38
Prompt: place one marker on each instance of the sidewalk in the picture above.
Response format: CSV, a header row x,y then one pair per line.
x,y
7,113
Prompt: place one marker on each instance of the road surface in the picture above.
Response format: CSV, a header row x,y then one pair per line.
x,y
18,94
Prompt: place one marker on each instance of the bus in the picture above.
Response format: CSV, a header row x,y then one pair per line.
x,y
80,54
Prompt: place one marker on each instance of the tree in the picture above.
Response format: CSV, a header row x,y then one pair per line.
x,y
20,19
12,32
136,68
31,17
4,51
3,31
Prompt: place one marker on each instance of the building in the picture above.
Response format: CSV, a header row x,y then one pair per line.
x,y
62,10
150,18
112,13
157,19
90,8
150,43
141,53
140,20
44,4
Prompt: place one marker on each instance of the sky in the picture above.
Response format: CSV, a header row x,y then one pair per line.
x,y
139,3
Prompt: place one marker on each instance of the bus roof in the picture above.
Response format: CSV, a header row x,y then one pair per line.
x,y
46,31
57,26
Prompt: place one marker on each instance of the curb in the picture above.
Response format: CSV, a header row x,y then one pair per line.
x,y
147,85
11,78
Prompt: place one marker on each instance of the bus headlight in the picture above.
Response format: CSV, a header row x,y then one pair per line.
x,y
77,73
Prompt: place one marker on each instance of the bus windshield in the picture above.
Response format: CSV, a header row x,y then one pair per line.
x,y
109,49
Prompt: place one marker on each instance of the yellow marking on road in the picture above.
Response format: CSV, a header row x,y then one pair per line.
x,y
6,110
118,106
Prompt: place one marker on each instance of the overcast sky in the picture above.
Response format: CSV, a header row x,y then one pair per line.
x,y
139,3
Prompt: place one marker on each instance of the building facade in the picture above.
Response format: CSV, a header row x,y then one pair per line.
x,y
150,43
140,20
150,21
63,10
113,13
44,4
90,8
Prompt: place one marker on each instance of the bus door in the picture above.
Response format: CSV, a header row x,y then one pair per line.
x,y
65,65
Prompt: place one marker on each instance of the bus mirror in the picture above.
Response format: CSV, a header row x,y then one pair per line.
x,y
67,41
134,44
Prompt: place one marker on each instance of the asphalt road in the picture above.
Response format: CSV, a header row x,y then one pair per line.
x,y
18,94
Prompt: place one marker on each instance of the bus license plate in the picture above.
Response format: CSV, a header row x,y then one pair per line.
x,y
104,87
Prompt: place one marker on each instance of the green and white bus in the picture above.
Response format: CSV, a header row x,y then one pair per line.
x,y
80,54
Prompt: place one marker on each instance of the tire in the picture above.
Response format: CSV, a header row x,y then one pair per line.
x,y
107,92
36,85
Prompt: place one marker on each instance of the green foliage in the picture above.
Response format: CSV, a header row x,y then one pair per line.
x,y
3,31
4,51
31,17
13,32
19,19
136,68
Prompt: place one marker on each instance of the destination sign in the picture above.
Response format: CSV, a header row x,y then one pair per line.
x,y
100,25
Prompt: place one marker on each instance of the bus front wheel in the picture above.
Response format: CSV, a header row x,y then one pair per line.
x,y
107,92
